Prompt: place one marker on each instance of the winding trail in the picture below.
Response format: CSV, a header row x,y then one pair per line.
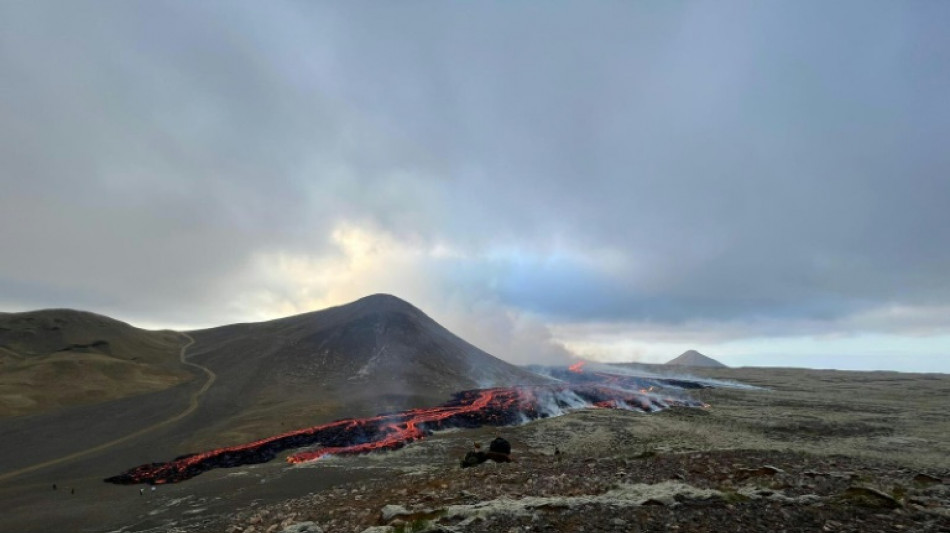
x,y
19,356
192,405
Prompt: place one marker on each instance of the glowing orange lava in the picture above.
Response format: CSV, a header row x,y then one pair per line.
x,y
469,409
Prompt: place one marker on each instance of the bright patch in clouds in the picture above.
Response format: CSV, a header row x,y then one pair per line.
x,y
366,260
359,262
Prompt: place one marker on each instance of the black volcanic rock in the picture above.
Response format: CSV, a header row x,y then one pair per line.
x,y
694,358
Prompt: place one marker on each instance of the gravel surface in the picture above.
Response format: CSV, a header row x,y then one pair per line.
x,y
737,490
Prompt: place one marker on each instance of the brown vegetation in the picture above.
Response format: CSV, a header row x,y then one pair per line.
x,y
58,359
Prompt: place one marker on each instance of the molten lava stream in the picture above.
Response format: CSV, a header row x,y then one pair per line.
x,y
469,409
419,423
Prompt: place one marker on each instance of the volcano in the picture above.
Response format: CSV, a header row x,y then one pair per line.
x,y
377,354
378,344
381,339
694,358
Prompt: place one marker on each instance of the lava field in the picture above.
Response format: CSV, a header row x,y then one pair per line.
x,y
576,389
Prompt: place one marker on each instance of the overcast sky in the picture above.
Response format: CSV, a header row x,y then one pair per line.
x,y
766,182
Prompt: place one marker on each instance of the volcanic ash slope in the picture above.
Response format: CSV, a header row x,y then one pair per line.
x,y
377,354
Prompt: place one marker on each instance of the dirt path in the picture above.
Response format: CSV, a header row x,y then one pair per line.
x,y
11,352
192,405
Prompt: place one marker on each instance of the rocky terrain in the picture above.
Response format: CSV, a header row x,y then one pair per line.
x,y
808,454
716,491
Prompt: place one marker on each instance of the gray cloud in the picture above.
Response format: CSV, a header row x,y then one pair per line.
x,y
764,169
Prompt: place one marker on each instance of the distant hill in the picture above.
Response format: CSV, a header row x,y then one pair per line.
x,y
59,358
694,358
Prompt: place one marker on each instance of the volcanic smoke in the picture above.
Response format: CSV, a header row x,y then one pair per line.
x,y
468,409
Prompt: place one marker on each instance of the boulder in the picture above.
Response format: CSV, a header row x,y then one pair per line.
x,y
868,497
392,511
927,479
500,445
302,527
473,459
498,457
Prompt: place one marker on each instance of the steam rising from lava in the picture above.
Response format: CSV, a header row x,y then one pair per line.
x,y
468,409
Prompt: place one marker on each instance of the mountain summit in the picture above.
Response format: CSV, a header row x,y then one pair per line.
x,y
376,354
694,358
379,342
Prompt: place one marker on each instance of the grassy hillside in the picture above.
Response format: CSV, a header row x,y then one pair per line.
x,y
59,358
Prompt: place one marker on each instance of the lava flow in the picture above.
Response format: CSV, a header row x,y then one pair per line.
x,y
468,409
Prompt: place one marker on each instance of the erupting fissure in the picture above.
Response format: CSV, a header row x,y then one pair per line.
x,y
469,409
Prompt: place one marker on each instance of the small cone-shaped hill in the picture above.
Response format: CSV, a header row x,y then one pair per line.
x,y
694,358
